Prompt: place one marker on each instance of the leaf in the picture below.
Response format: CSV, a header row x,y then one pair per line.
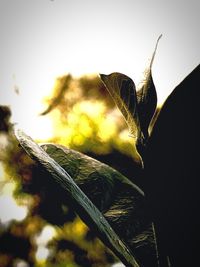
x,y
87,171
172,173
63,86
121,201
138,107
147,98
85,208
122,89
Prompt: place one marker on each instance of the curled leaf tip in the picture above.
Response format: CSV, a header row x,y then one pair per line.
x,y
160,36
153,56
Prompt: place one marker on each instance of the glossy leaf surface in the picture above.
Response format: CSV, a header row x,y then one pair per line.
x,y
85,208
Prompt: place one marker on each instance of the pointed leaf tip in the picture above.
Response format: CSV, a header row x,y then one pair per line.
x,y
147,97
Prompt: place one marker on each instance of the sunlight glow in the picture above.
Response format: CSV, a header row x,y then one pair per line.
x,y
10,210
88,123
42,254
27,103
80,37
47,233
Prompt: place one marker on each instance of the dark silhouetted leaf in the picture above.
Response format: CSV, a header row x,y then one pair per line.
x,y
172,174
84,207
147,98
120,200
122,89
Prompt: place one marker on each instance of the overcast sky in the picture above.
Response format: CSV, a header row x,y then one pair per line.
x,y
41,39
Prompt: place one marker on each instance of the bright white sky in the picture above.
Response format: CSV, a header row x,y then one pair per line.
x,y
41,39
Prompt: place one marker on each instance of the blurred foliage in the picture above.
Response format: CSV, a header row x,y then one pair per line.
x,y
48,233
85,118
